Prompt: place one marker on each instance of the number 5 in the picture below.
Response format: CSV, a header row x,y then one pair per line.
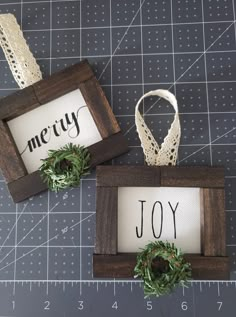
x,y
149,305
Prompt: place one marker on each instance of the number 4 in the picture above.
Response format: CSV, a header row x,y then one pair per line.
x,y
115,305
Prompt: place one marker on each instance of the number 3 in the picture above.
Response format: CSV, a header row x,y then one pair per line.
x,y
81,305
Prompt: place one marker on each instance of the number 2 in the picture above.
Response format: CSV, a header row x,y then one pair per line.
x,y
47,304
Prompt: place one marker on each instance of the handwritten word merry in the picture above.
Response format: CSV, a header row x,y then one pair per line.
x,y
67,124
154,208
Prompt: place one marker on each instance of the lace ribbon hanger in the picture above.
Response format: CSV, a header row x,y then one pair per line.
x,y
167,152
21,61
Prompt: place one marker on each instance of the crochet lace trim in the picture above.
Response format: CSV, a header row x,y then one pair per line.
x,y
21,61
167,152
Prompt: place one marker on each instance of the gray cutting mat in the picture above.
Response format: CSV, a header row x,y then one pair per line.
x,y
187,46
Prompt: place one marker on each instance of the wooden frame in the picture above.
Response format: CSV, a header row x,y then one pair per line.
x,y
23,185
212,263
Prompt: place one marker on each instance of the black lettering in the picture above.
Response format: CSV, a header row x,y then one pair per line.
x,y
63,126
55,129
173,211
153,210
42,135
33,143
141,234
76,126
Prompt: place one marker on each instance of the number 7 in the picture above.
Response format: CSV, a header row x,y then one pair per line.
x,y
220,304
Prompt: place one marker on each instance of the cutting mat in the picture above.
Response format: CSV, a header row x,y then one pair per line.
x,y
187,46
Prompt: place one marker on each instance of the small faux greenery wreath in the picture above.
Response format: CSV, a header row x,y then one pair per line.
x,y
162,267
64,167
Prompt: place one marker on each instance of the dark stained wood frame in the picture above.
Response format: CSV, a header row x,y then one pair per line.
x,y
23,185
212,263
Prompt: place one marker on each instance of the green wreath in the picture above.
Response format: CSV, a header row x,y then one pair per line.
x,y
64,167
162,267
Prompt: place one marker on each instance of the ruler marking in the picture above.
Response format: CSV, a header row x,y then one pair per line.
x,y
2,268
14,285
218,289
81,185
194,304
26,235
114,287
100,281
80,233
48,237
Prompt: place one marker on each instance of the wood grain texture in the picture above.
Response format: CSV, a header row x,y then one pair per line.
x,y
122,266
18,103
192,176
26,186
99,107
100,152
77,76
44,91
209,267
10,161
128,176
63,82
213,232
105,150
212,263
106,220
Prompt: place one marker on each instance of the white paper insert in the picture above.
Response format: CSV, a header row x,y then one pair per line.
x,y
64,120
187,217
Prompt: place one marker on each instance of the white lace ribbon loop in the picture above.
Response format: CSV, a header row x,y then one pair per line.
x,y
19,57
167,152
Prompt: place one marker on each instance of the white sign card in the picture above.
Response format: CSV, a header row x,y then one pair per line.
x,y
64,120
158,213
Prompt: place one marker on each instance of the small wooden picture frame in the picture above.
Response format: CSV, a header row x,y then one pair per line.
x,y
78,77
210,263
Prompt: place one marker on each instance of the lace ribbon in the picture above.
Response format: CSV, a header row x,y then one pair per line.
x,y
21,61
167,153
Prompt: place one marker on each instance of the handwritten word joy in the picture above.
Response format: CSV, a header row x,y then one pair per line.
x,y
157,206
69,123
